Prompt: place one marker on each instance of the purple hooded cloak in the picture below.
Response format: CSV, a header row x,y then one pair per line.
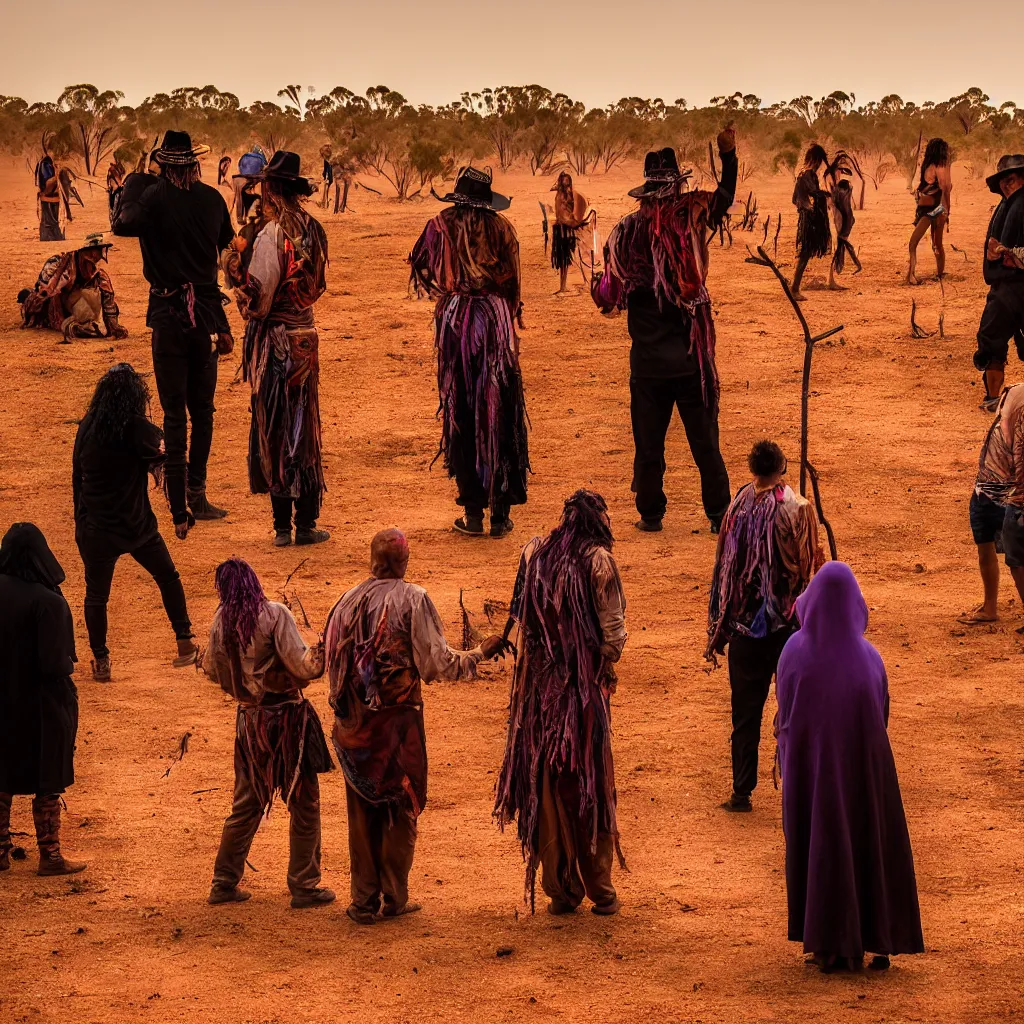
x,y
849,866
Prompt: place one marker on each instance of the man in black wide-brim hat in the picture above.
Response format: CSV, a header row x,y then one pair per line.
x,y
182,225
656,260
468,260
1003,317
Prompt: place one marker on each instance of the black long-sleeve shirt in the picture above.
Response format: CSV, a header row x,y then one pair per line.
x,y
1007,227
181,233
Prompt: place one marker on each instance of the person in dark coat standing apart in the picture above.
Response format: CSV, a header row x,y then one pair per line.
x,y
849,866
38,700
656,261
182,225
116,449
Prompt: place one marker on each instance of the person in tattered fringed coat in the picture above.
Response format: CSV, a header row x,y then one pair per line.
x,y
467,258
280,359
557,779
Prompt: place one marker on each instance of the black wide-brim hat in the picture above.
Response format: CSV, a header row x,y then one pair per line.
x,y
1007,165
661,173
178,151
284,169
473,188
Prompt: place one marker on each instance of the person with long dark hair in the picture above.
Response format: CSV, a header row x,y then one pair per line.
x,y
837,180
38,700
557,778
813,231
258,656
182,225
467,259
570,209
116,449
934,188
280,355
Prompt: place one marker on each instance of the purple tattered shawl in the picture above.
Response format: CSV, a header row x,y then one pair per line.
x,y
849,865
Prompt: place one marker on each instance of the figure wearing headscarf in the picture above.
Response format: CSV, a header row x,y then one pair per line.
x,y
73,294
258,657
849,866
467,258
656,261
281,351
767,551
558,776
383,638
38,700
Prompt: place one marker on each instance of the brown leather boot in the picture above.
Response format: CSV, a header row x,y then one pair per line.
x,y
46,814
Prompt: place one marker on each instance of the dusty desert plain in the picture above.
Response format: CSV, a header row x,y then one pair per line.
x,y
895,433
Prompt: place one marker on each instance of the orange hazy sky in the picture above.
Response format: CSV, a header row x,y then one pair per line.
x,y
595,52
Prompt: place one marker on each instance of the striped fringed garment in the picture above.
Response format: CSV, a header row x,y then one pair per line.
x,y
744,583
468,260
43,306
662,247
559,716
279,744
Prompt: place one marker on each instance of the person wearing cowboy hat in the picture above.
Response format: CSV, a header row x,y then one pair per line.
x,y
73,293
1003,316
656,260
467,258
280,355
182,225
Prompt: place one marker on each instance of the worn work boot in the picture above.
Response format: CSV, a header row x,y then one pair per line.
x,y
314,898
201,508
361,916
226,894
282,538
101,669
606,909
470,525
738,804
46,815
311,535
187,653
501,527
649,525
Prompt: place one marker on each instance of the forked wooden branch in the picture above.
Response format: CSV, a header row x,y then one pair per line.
x,y
806,469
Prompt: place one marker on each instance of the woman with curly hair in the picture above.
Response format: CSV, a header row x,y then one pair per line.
x,y
933,198
116,449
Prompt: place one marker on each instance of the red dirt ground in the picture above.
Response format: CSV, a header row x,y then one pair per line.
x,y
702,936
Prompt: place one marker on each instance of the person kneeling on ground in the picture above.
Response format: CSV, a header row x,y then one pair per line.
x,y
257,656
38,700
767,552
116,448
383,638
73,293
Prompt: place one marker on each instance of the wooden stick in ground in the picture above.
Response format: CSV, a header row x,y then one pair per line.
x,y
763,259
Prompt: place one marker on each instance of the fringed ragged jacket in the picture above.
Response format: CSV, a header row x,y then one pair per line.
x,y
767,553
662,248
278,732
813,230
572,631
468,260
1001,463
280,356
48,304
382,638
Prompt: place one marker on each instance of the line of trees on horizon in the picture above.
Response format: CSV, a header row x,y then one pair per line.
x,y
410,147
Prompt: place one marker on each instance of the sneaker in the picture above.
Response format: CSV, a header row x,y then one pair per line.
x,y
501,527
226,894
201,508
738,804
471,526
101,669
314,898
282,538
649,525
311,535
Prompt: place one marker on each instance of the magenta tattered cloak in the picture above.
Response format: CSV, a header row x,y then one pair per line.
x,y
467,259
559,713
662,247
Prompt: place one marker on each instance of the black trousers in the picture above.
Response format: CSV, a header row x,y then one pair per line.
x,y
752,664
185,365
99,556
651,403
1002,321
307,508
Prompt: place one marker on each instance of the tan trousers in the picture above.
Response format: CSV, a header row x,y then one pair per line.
x,y
241,824
568,868
381,844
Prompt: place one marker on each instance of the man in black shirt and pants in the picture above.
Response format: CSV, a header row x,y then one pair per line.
x,y
1003,317
182,225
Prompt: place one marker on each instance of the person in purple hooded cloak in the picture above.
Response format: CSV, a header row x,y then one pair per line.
x,y
849,866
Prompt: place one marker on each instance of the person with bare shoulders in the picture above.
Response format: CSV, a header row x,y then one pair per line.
x,y
933,199
813,232
837,180
570,211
